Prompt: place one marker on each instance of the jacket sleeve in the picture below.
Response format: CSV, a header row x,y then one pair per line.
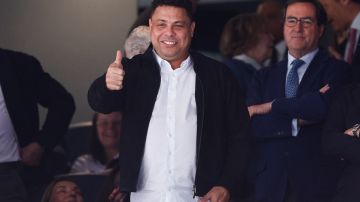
x,y
103,100
335,142
55,98
311,107
239,140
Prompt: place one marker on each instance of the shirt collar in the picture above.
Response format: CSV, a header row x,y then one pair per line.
x,y
248,60
306,58
165,65
356,22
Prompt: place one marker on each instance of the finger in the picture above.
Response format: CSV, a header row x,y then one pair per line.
x,y
114,87
116,69
118,57
206,198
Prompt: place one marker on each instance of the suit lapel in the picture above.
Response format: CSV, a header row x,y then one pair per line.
x,y
312,72
281,73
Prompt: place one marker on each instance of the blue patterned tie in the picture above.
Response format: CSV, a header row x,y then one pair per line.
x,y
292,81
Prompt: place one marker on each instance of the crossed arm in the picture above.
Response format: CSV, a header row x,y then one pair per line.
x,y
266,108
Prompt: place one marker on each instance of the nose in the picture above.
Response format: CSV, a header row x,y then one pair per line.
x,y
299,26
169,31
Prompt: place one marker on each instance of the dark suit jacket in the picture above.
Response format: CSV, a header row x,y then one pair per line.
x,y
243,72
25,85
343,114
273,130
309,104
356,64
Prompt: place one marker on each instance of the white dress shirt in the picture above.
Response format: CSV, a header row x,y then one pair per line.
x,y
301,71
9,149
168,167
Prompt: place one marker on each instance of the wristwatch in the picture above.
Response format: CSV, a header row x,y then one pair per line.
x,y
356,130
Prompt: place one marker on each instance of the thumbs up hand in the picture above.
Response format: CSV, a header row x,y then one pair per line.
x,y
115,74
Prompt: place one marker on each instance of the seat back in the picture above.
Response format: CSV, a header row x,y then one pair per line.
x,y
77,140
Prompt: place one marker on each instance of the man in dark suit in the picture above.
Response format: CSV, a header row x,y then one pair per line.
x,y
345,16
24,85
341,139
288,102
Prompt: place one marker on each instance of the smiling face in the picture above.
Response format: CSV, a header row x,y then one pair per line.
x,y
300,39
109,128
66,191
171,32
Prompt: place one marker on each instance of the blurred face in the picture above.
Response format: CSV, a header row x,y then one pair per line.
x,y
66,191
335,12
171,32
264,47
109,128
272,12
301,37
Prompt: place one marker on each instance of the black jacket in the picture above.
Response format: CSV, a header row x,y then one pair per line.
x,y
344,114
223,138
25,85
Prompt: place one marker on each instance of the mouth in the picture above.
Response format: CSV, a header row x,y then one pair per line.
x,y
169,43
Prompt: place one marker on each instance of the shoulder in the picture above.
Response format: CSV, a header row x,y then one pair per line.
x,y
330,62
86,163
16,55
204,65
85,158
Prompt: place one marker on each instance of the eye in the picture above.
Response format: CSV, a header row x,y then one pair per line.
x,y
291,21
161,25
307,21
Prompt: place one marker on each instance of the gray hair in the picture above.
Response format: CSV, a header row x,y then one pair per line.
x,y
138,41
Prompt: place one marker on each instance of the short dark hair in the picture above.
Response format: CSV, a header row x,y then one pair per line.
x,y
321,16
185,4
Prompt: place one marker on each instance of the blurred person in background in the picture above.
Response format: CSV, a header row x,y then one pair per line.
x,y
25,147
272,10
137,42
62,190
246,43
104,145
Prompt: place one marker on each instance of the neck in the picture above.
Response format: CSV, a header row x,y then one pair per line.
x,y
110,153
253,55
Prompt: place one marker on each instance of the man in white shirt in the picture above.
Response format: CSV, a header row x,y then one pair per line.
x,y
186,128
23,86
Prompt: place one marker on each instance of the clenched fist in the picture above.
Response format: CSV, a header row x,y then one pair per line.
x,y
115,74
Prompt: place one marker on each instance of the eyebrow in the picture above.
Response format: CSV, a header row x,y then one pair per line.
x,y
306,17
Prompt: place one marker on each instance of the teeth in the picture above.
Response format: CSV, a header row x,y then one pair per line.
x,y
169,42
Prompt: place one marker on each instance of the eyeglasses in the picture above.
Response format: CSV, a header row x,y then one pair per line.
x,y
305,22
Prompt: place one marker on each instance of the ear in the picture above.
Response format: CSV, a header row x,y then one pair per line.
x,y
150,24
192,28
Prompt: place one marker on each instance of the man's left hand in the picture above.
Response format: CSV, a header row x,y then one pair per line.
x,y
31,154
216,194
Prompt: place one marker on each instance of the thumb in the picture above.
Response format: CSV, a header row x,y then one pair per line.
x,y
118,57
